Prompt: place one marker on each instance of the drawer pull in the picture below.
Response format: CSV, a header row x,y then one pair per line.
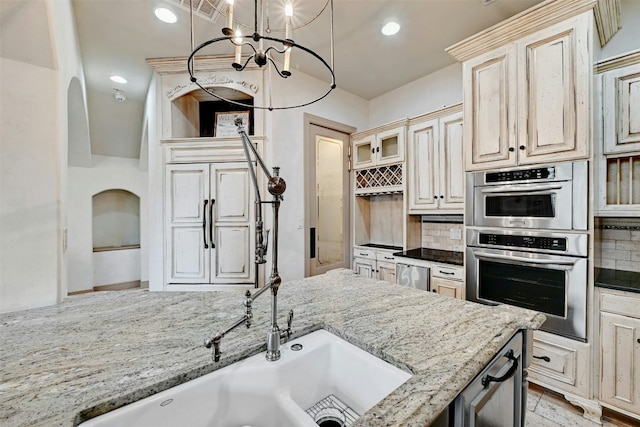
x,y
388,257
512,370
545,358
363,254
447,272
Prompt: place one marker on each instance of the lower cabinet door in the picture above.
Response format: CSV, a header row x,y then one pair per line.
x,y
364,267
387,271
449,288
620,358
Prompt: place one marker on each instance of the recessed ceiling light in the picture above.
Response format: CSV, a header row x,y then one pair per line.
x,y
118,79
390,28
165,15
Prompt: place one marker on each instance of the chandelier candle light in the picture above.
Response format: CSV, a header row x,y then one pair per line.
x,y
281,48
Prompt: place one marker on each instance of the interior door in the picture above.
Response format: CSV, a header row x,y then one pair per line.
x,y
328,200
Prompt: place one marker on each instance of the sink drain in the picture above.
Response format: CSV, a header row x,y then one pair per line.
x,y
332,412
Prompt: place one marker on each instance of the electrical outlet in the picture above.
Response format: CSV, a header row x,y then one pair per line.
x,y
455,234
300,223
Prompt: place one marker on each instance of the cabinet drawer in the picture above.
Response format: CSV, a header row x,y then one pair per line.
x,y
385,256
618,304
554,361
447,272
364,253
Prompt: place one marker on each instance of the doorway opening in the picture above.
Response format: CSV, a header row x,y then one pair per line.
x,y
327,201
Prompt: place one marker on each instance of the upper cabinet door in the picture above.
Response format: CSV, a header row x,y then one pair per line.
x,y
390,146
450,157
364,152
489,82
621,104
554,77
423,166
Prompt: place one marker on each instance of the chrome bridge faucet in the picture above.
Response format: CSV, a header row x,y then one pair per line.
x,y
276,187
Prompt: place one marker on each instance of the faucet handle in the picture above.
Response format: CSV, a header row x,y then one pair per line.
x,y
289,320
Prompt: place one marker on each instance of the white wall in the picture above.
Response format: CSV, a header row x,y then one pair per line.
x,y
111,267
285,149
628,37
429,93
107,173
34,134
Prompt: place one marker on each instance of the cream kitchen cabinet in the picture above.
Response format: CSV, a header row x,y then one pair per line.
x,y
621,109
379,264
617,127
620,351
435,162
528,100
209,223
380,146
448,280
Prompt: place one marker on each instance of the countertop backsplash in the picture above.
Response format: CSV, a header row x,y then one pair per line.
x,y
617,243
443,236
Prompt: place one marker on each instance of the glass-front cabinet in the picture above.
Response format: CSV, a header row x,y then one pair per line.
x,y
380,146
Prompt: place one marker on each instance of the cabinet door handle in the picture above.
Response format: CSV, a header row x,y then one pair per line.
x,y
213,245
522,147
377,149
450,273
373,149
488,378
204,223
545,358
512,149
638,340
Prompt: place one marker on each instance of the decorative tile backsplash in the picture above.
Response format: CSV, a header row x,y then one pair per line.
x,y
617,243
443,236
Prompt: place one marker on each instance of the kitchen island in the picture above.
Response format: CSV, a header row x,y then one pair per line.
x,y
96,352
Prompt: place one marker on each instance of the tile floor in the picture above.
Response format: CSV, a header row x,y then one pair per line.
x,y
548,409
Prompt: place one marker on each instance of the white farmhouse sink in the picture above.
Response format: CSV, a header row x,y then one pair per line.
x,y
257,393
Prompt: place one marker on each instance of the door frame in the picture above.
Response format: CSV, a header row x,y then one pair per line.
x,y
309,120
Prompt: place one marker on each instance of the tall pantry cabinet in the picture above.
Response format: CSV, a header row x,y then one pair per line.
x,y
208,198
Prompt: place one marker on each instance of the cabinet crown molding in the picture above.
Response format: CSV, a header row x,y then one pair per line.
x,y
381,128
531,20
445,111
618,61
178,64
608,22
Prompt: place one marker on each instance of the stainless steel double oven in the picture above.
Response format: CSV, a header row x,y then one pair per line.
x,y
527,242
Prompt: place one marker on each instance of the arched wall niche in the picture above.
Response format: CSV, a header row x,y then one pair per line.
x,y
116,220
195,113
79,150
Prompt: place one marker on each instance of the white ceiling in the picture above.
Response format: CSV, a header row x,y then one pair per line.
x,y
116,36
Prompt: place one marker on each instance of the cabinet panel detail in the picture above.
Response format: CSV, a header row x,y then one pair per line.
x,y
188,263
620,358
491,89
621,110
232,265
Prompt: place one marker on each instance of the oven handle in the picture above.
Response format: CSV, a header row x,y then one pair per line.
x,y
516,189
548,261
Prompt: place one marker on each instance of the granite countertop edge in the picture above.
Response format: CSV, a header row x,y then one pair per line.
x,y
53,390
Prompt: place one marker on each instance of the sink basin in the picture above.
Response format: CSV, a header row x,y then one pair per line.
x,y
318,381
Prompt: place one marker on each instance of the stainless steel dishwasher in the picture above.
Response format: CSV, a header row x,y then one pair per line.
x,y
413,276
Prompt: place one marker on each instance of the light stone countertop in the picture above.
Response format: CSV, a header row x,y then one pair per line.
x,y
95,352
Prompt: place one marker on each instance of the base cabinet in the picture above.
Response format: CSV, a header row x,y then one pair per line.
x,y
620,351
375,264
448,281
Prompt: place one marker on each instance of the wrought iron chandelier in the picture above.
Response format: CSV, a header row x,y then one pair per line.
x,y
263,47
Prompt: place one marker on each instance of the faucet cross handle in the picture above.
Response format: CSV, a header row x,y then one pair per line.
x,y
287,332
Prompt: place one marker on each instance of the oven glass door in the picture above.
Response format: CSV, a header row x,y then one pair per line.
x,y
551,284
526,205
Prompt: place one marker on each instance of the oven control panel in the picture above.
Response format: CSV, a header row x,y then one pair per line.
x,y
545,173
531,242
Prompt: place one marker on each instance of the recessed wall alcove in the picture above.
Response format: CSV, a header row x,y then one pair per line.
x,y
116,239
116,220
